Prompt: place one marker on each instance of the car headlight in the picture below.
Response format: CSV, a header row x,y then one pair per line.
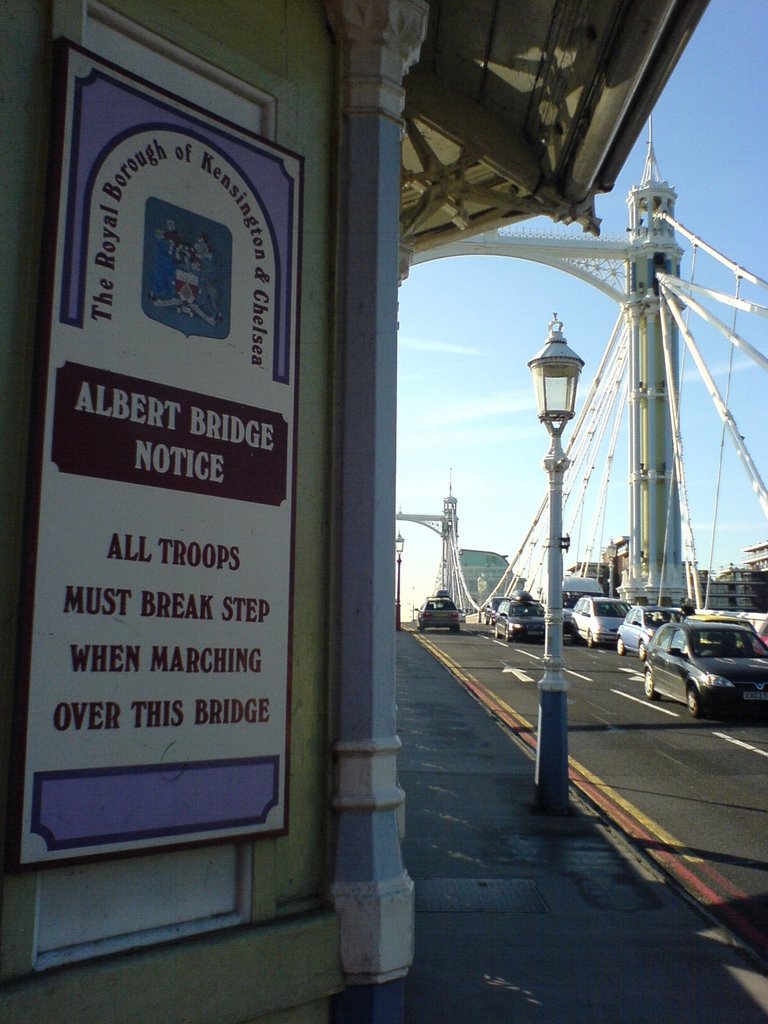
x,y
713,680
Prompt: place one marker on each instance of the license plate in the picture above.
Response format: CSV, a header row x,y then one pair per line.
x,y
751,695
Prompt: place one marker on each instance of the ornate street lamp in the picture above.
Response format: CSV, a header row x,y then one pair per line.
x,y
555,372
399,545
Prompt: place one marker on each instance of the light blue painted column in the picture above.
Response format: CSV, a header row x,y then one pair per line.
x,y
378,41
632,583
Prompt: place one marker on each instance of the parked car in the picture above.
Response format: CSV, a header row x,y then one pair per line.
x,y
597,619
709,665
489,611
641,623
438,613
519,618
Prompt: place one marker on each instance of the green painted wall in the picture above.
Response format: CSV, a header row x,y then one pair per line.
x,y
283,966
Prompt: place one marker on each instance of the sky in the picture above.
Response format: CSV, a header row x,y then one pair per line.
x,y
469,325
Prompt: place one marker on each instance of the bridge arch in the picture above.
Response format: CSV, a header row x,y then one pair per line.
x,y
625,270
601,263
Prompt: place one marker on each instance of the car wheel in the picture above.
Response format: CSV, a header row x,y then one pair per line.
x,y
590,639
641,651
648,686
693,701
455,629
621,650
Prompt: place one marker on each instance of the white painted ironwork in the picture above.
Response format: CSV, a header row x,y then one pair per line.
x,y
677,287
722,409
598,261
692,578
738,270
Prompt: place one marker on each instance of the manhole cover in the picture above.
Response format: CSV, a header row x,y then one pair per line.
x,y
479,895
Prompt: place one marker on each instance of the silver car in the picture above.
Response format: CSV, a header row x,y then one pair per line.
x,y
597,619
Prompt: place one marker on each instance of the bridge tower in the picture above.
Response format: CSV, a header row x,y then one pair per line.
x,y
655,555
450,535
446,525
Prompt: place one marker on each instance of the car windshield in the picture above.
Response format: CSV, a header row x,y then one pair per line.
x,y
441,604
656,618
611,609
727,643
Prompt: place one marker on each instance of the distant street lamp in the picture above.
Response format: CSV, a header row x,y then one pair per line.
x,y
399,545
555,372
610,557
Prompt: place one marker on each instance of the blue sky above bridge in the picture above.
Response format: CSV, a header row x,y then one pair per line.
x,y
469,325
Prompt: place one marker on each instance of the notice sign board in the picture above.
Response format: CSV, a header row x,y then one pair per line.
x,y
154,687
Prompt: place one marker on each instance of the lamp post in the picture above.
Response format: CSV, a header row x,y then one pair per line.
x,y
399,545
610,557
555,370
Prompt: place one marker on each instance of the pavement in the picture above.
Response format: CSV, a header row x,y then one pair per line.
x,y
524,917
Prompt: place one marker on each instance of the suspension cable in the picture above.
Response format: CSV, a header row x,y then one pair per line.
x,y
694,585
673,284
738,270
513,562
716,509
587,437
720,406
619,406
602,417
458,574
688,288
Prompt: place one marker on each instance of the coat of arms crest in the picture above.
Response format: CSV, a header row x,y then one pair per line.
x,y
187,270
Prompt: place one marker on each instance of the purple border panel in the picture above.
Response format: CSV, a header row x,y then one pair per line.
x,y
107,111
97,807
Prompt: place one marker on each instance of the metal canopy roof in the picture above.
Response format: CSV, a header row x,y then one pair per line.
x,y
518,108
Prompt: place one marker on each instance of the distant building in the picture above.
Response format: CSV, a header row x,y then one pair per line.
x,y
736,589
757,557
739,588
482,571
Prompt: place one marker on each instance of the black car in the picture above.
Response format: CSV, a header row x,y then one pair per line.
x,y
489,611
711,666
519,618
